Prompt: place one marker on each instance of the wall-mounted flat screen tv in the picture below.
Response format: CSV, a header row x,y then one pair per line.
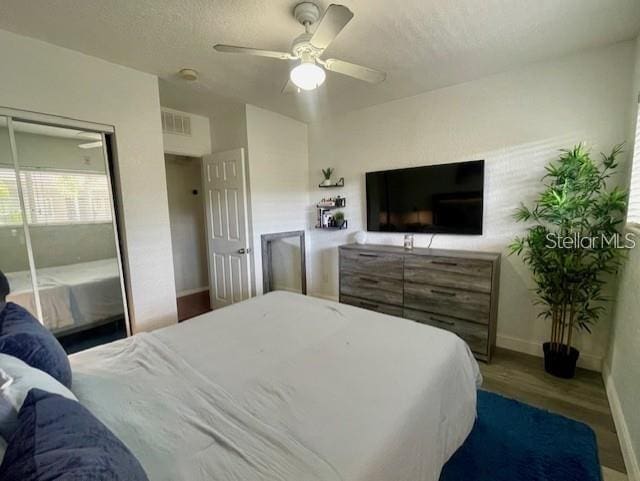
x,y
444,198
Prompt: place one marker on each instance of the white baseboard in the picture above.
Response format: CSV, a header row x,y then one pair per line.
x,y
630,459
287,289
188,292
586,361
324,296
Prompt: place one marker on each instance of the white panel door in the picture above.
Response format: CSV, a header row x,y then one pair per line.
x,y
225,198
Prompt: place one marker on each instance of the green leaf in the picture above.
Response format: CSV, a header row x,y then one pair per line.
x,y
574,200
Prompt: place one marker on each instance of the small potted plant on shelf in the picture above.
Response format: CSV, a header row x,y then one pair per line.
x,y
570,273
339,220
327,175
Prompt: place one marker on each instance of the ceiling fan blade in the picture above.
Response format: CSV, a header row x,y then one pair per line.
x,y
289,87
332,22
254,51
356,71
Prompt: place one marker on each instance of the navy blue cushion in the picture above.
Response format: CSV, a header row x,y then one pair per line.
x,y
59,439
22,336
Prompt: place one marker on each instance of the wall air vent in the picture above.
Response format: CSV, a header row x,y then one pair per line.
x,y
173,123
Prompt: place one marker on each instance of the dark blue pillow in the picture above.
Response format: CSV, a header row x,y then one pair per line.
x,y
22,336
59,439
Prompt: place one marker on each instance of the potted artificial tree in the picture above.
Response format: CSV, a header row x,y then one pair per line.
x,y
571,246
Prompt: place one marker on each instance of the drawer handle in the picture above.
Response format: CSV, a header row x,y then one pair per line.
x,y
443,293
369,305
444,263
442,321
369,279
367,255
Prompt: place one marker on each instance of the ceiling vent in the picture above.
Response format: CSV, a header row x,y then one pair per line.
x,y
173,123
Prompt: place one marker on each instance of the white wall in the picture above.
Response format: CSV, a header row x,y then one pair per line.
x,y
516,121
228,127
279,173
186,214
622,367
227,118
197,144
40,77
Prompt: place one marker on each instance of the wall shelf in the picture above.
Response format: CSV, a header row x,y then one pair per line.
x,y
329,207
344,226
325,209
340,183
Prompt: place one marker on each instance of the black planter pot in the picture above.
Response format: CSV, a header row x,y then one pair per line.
x,y
560,363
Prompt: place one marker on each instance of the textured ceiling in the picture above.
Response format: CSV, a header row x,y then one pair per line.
x,y
422,44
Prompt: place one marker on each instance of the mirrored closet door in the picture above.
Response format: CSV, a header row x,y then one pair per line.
x,y
58,233
14,253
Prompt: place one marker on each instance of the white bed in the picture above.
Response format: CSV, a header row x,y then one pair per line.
x,y
285,387
71,295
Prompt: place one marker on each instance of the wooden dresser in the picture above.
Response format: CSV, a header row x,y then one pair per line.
x,y
453,290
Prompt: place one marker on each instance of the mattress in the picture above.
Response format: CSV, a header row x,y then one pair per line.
x,y
285,387
71,295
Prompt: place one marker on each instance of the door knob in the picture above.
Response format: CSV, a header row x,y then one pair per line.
x,y
244,251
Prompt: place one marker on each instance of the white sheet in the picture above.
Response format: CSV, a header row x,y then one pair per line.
x,y
186,426
72,294
376,397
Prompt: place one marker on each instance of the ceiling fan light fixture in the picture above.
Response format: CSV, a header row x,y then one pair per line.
x,y
308,49
307,75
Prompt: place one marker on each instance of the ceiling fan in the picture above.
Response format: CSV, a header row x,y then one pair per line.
x,y
309,73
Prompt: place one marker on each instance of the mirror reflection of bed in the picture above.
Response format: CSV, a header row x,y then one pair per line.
x,y
81,303
68,244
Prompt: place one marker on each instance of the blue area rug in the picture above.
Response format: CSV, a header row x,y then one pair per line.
x,y
512,441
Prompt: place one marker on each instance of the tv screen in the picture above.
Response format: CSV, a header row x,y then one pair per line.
x,y
444,198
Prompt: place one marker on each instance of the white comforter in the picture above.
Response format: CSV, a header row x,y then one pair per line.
x,y
285,387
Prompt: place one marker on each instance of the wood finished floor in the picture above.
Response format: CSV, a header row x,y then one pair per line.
x,y
193,305
522,377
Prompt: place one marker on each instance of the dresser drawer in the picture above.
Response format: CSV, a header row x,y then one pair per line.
x,y
372,306
372,263
472,306
452,290
373,288
468,274
475,335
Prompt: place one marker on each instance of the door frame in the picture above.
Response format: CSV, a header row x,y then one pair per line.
x,y
55,120
107,133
